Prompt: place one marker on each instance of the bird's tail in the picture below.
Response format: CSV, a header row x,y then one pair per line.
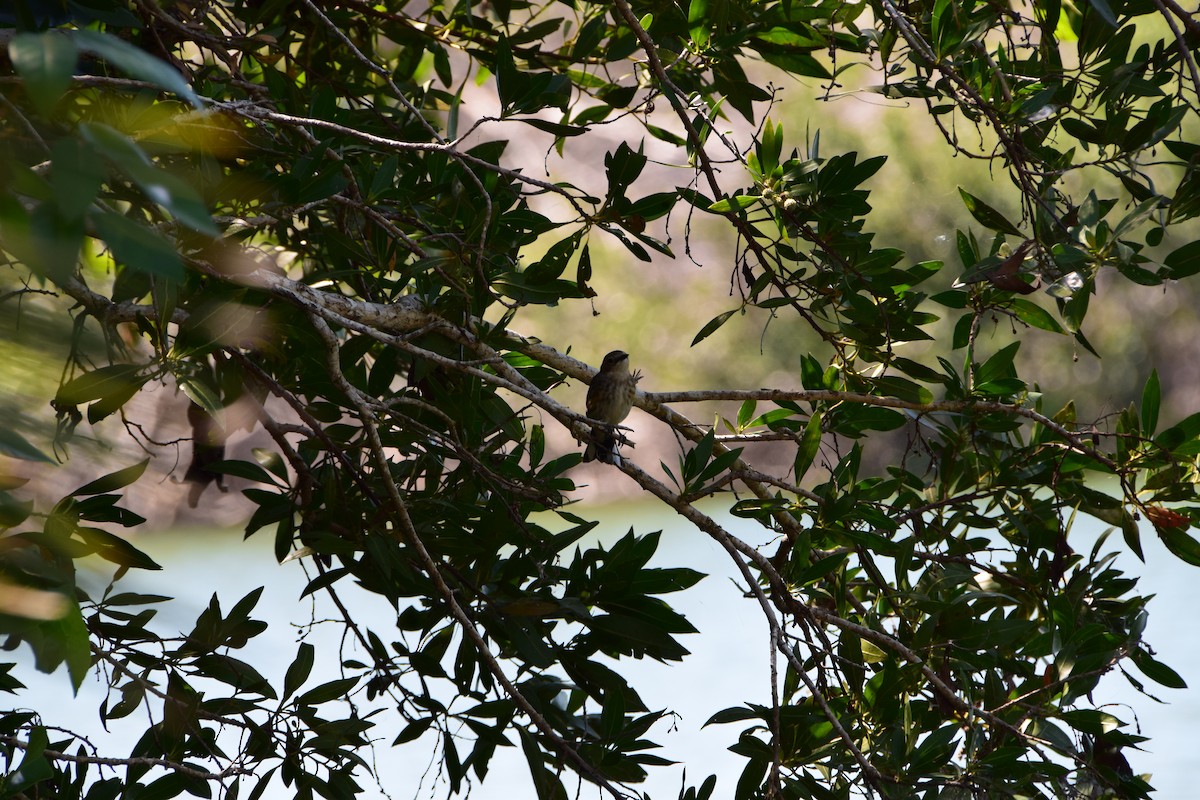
x,y
602,447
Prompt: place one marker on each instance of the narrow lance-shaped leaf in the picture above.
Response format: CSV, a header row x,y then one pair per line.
x,y
987,216
1151,395
810,443
113,481
712,326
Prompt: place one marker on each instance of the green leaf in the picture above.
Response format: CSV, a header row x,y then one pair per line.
x,y
791,60
1184,261
987,216
234,672
98,383
76,175
333,690
413,730
172,193
139,246
200,393
244,470
551,266
110,403
14,445
47,241
711,327
113,481
622,167
546,784
698,22
999,366
810,444
653,206
811,372
1035,316
1090,720
746,413
134,62
1181,544
299,670
902,388
1184,431
45,61
115,549
1105,11
698,457
962,332
1137,216
1151,395
730,203
33,768
719,464
71,635
556,128
1133,537
1157,671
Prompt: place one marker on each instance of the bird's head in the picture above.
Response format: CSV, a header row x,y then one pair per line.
x,y
617,360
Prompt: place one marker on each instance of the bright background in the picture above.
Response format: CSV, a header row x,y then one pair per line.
x,y
729,656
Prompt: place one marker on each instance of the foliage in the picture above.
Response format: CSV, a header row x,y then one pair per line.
x,y
327,211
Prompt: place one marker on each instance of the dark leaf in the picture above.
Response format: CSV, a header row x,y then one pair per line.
x,y
987,216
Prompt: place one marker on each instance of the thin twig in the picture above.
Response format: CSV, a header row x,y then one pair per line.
x,y
231,771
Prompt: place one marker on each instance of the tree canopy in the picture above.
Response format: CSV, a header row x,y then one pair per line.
x,y
335,214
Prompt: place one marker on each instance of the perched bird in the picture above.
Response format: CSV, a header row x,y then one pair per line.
x,y
208,448
609,399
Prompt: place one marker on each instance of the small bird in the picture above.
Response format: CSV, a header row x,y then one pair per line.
x,y
609,399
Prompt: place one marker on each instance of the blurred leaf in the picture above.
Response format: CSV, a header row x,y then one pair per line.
x,y
139,247
99,383
69,633
1105,11
45,61
134,62
76,175
14,445
162,188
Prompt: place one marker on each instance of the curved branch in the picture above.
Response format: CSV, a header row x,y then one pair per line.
x,y
406,532
253,112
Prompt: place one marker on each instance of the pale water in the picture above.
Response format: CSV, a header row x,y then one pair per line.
x,y
728,664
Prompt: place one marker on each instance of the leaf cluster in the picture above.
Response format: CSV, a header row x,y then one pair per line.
x,y
327,213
